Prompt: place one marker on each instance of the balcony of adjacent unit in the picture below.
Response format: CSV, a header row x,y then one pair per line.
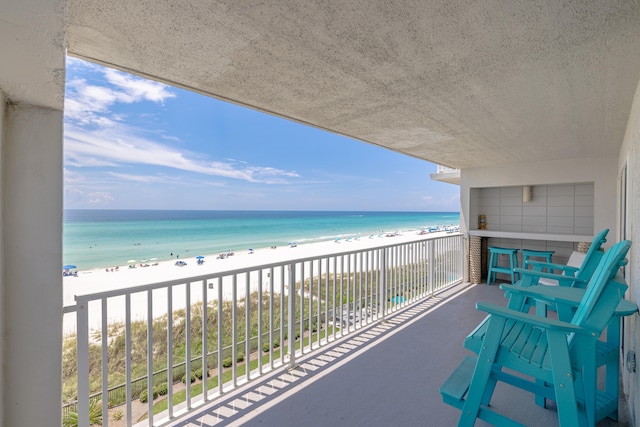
x,y
446,174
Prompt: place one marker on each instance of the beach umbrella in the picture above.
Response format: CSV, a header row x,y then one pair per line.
x,y
131,261
143,260
69,267
199,257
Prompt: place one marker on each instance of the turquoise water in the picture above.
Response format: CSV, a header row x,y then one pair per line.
x,y
106,238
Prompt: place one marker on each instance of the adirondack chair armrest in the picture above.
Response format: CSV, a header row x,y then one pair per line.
x,y
563,280
551,294
567,269
533,320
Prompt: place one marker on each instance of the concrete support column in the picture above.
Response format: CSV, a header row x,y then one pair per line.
x,y
31,260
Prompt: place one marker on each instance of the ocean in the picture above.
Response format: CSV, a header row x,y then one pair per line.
x,y
107,238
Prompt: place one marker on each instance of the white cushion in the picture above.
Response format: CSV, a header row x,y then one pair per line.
x,y
575,260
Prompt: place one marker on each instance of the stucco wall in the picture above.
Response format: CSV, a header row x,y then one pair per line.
x,y
630,155
2,143
31,279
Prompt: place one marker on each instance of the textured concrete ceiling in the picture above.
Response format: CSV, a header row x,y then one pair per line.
x,y
36,27
460,83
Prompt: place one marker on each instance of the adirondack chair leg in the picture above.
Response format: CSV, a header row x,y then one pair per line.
x,y
540,400
488,392
590,374
541,310
612,373
563,379
480,390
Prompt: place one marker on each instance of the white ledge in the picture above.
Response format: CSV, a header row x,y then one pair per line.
x,y
532,236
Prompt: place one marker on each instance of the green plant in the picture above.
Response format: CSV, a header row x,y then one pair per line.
x,y
192,378
227,362
240,357
95,415
117,415
161,389
144,395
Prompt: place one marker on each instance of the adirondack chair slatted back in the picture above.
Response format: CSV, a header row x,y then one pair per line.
x,y
603,294
593,256
608,267
587,267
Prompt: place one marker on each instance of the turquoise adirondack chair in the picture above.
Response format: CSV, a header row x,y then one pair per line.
x,y
557,356
574,277
571,276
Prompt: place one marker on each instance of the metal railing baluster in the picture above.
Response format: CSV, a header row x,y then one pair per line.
x,y
150,356
105,364
358,287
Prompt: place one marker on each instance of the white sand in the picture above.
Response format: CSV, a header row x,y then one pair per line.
x,y
99,280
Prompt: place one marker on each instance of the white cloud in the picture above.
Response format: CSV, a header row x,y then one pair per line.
x,y
96,133
91,104
120,144
138,178
99,198
136,89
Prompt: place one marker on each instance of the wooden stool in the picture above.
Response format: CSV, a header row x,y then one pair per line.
x,y
494,259
528,253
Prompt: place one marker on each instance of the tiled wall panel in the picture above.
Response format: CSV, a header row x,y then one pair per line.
x,y
560,208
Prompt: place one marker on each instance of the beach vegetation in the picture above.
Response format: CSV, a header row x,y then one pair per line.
x,y
70,419
315,299
162,389
192,378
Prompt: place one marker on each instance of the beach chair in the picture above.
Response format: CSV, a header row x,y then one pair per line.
x,y
572,274
571,277
548,357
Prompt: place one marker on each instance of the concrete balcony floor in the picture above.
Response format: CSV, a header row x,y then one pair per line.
x,y
386,375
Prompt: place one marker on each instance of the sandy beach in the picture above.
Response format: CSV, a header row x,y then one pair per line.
x,y
102,280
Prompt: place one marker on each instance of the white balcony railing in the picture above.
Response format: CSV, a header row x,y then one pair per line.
x,y
231,327
445,169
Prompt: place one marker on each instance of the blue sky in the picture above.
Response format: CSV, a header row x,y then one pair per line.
x,y
132,143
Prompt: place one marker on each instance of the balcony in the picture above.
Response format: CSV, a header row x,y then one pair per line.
x,y
446,174
375,332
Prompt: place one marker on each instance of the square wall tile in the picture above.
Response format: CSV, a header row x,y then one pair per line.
x,y
561,190
586,189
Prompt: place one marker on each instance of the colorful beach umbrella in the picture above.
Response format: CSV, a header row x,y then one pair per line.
x,y
69,267
199,257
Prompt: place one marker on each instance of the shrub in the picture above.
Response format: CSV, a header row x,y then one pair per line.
x,y
144,395
95,415
227,362
265,347
240,357
161,389
192,378
117,415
